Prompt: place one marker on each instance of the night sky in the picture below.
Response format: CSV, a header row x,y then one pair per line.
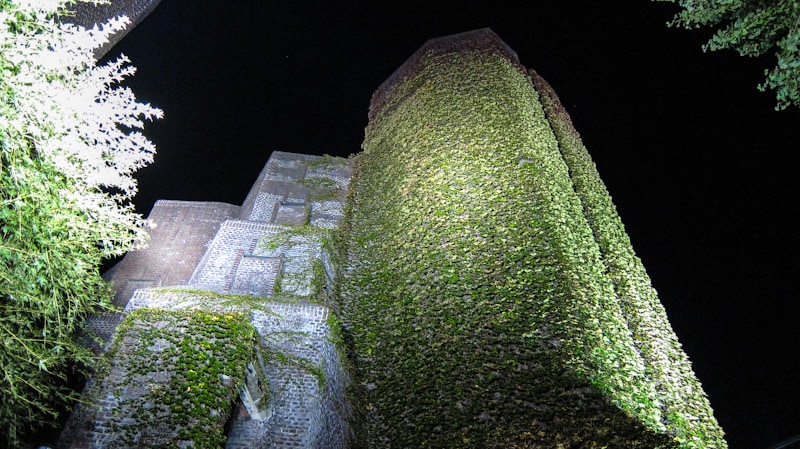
x,y
700,166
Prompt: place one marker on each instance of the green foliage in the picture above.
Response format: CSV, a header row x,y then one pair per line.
x,y
666,365
753,27
326,160
322,188
312,272
473,295
476,290
49,268
64,179
179,359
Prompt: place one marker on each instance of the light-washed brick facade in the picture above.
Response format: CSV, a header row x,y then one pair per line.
x,y
270,249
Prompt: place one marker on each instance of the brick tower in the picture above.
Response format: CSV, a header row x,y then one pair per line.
x,y
488,287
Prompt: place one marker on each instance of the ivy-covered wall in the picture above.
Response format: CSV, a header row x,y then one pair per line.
x,y
684,406
171,380
487,289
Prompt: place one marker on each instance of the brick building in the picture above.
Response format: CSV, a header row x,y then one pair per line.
x,y
265,259
482,277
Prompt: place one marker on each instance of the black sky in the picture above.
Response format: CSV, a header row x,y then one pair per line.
x,y
700,166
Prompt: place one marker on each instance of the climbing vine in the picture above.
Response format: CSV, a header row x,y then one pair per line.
x,y
474,296
303,272
180,374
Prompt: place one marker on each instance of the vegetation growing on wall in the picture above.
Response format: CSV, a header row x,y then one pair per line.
x,y
686,410
473,293
322,188
177,378
189,299
302,274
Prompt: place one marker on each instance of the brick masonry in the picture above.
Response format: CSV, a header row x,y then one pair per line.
x,y
180,236
125,406
271,241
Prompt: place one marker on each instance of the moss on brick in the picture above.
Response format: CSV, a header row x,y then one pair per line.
x,y
173,377
474,294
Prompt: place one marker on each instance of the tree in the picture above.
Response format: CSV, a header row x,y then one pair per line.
x,y
753,27
69,145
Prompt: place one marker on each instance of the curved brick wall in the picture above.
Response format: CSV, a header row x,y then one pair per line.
x,y
484,288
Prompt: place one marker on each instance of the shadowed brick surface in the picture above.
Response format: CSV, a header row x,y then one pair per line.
x,y
182,232
255,275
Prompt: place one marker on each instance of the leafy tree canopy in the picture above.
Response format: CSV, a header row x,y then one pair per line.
x,y
753,27
69,145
